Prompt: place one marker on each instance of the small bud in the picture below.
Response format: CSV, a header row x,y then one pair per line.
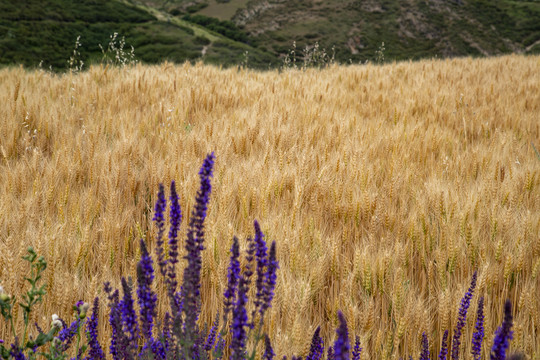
x,y
56,323
83,310
3,295
56,342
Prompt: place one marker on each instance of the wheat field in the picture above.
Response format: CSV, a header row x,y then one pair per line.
x,y
385,188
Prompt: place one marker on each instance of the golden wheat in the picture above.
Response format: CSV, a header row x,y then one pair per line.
x,y
385,187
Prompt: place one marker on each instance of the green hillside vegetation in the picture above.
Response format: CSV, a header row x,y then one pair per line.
x,y
45,31
410,29
223,31
223,27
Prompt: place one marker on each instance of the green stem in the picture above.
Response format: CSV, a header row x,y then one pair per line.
x,y
78,339
12,324
257,338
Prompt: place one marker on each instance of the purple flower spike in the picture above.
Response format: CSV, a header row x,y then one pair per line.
x,y
262,262
129,318
119,342
240,320
167,331
271,277
357,349
424,355
218,348
147,297
159,219
465,303
444,346
194,245
67,333
233,275
478,334
341,345
330,354
175,218
211,338
16,352
503,335
316,349
95,351
268,351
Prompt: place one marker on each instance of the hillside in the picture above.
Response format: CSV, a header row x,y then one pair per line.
x,y
36,31
221,31
409,29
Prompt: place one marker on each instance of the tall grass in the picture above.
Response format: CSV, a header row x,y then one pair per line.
x,y
385,186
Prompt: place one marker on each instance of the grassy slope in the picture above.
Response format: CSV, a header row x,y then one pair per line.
x,y
34,30
223,11
409,29
218,49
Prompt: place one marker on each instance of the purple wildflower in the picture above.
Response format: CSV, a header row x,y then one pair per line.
x,y
219,347
16,352
240,320
424,355
268,351
159,219
119,342
357,349
465,303
166,332
233,274
38,328
147,297
330,353
158,350
248,271
503,335
95,351
250,253
262,262
444,346
211,338
341,345
478,334
271,277
129,317
67,333
194,245
175,216
316,350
